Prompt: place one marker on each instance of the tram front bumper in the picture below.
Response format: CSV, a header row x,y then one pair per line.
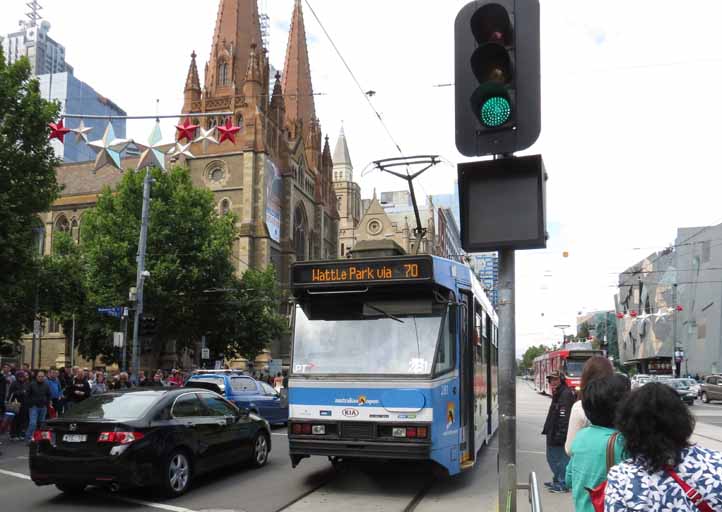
x,y
301,448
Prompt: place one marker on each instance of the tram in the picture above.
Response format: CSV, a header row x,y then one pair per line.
x,y
569,360
393,358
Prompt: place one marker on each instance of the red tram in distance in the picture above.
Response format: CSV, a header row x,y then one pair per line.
x,y
569,360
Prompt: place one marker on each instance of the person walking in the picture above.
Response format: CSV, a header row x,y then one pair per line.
x,y
595,367
19,395
39,396
599,446
665,472
555,430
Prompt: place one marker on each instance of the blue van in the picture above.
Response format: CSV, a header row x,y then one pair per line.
x,y
248,393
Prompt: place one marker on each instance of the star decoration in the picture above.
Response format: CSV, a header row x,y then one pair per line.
x,y
81,132
153,154
58,131
206,137
108,149
228,132
186,131
181,149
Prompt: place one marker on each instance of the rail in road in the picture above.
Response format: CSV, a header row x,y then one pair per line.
x,y
316,486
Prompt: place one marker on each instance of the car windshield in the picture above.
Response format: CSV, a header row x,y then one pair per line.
x,y
218,381
371,338
573,367
677,384
111,406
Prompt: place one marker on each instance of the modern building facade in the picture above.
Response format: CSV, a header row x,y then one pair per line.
x,y
32,41
669,306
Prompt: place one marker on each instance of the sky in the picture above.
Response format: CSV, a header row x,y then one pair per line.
x,y
631,96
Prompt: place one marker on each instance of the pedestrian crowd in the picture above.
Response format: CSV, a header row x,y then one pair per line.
x,y
618,450
28,397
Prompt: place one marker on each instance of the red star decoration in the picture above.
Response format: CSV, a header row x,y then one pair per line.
x,y
58,131
186,131
228,132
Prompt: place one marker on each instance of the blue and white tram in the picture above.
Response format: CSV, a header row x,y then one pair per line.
x,y
392,358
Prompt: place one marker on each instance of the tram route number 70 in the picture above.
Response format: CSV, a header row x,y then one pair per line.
x,y
412,270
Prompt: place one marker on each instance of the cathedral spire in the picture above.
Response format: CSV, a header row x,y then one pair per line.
x,y
192,91
342,167
297,85
237,28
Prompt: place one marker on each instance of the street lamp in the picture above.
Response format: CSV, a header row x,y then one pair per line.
x,y
563,328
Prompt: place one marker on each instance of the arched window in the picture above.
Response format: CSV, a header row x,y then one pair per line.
x,y
222,73
239,121
300,231
225,207
62,225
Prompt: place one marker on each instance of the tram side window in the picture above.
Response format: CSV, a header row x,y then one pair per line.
x,y
445,354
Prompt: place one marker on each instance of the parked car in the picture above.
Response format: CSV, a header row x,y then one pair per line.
x,y
683,389
711,388
149,437
247,393
640,380
693,385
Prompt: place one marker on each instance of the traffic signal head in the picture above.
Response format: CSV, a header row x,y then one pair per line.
x,y
497,76
148,325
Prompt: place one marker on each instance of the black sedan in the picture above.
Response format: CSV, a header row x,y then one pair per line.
x,y
161,437
686,393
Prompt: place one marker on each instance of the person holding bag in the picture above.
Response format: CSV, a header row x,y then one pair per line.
x,y
17,403
598,447
665,472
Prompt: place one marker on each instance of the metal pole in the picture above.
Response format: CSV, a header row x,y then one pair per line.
x,y
507,381
72,345
135,359
674,332
124,348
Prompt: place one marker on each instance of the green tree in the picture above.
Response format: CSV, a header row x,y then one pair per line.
x,y
527,360
27,188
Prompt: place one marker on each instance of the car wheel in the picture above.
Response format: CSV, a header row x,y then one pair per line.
x,y
704,398
71,489
260,450
177,474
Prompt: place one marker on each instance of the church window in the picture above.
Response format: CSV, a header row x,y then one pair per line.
x,y
300,232
338,203
239,121
223,73
343,248
374,227
225,207
62,225
217,174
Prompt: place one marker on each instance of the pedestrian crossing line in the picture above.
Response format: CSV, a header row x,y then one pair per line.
x,y
149,504
13,473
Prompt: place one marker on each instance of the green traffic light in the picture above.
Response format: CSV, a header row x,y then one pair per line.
x,y
495,111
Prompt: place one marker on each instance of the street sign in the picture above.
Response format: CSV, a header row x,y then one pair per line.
x,y
111,311
205,353
118,339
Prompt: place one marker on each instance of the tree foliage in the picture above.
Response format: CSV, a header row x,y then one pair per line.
x,y
27,188
192,290
527,360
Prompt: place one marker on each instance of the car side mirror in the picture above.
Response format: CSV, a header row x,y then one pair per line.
x,y
243,412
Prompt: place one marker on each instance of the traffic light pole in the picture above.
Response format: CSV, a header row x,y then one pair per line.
x,y
507,381
135,358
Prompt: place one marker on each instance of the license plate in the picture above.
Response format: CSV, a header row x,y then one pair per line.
x,y
75,438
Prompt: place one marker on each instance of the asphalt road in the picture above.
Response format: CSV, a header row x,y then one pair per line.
x,y
315,486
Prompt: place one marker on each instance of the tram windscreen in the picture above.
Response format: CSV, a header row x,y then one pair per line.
x,y
574,367
369,338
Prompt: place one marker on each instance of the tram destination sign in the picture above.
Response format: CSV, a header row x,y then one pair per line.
x,y
365,272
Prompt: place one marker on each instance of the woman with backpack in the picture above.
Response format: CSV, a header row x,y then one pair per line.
x,y
598,447
665,471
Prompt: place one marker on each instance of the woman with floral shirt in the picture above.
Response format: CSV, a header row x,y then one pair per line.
x,y
657,426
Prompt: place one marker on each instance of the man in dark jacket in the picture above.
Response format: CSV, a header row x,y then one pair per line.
x,y
39,396
78,390
555,428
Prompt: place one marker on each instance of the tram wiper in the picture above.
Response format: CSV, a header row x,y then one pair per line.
x,y
387,315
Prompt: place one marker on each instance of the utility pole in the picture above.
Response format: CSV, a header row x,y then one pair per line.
x,y
135,358
675,373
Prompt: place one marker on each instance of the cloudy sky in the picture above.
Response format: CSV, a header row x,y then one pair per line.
x,y
631,103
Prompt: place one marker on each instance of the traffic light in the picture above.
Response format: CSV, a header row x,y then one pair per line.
x,y
498,91
148,325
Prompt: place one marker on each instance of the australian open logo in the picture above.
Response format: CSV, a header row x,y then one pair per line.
x,y
362,400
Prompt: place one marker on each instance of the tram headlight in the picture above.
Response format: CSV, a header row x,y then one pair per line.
x,y
399,432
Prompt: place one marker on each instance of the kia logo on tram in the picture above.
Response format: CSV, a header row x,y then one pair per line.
x,y
350,413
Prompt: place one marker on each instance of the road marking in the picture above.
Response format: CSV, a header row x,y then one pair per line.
x,y
12,473
274,434
150,504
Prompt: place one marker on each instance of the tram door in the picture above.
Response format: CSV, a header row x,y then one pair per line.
x,y
466,395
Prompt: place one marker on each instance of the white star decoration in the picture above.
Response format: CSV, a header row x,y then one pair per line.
x,y
154,152
206,137
81,132
181,149
108,149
